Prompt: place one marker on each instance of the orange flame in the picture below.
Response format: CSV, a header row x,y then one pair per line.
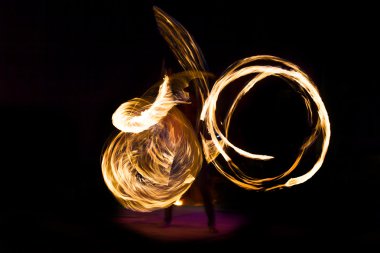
x,y
178,202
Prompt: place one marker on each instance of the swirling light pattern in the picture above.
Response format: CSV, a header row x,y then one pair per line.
x,y
149,166
219,143
157,154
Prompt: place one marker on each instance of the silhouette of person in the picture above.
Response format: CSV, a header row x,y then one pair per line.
x,y
204,178
203,181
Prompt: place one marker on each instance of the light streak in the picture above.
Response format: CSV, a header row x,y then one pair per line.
x,y
188,54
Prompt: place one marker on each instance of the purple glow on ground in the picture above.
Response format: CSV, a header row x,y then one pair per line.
x,y
189,223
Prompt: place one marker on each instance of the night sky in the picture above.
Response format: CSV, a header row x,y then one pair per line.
x,y
65,66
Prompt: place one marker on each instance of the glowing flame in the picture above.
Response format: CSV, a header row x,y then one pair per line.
x,y
157,154
178,202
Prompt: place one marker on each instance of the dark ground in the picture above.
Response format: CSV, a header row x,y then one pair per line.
x,y
65,66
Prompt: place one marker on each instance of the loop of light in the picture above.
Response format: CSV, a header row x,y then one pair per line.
x,y
219,142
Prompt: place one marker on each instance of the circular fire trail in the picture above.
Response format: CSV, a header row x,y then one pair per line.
x,y
219,143
153,161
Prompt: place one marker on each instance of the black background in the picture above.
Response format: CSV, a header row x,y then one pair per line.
x,y
66,66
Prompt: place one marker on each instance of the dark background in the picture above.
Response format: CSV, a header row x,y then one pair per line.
x,y
65,66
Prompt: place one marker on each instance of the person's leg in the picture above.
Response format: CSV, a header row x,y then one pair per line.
x,y
209,207
168,215
205,185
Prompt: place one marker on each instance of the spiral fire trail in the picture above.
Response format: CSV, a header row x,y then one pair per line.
x,y
152,162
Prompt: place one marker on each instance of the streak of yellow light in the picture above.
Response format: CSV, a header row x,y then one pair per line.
x,y
300,82
126,120
187,52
